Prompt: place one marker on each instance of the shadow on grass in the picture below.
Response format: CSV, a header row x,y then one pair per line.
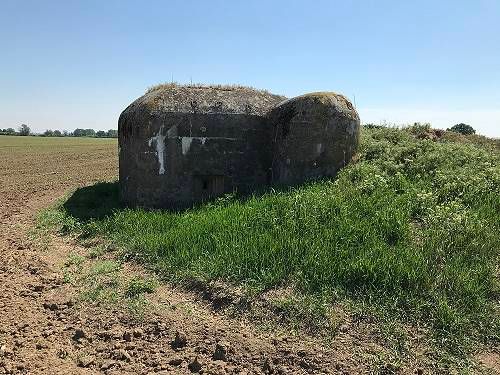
x,y
93,202
103,198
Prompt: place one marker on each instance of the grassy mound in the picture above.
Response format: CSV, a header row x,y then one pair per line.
x,y
413,227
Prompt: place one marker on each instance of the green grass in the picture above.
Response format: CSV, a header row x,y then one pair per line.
x,y
412,229
138,286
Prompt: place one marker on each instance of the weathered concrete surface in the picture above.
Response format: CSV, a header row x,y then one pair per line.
x,y
180,145
314,136
184,144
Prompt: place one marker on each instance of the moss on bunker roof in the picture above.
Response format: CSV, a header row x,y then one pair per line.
x,y
201,98
329,98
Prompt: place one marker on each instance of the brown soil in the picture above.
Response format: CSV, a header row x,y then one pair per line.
x,y
46,329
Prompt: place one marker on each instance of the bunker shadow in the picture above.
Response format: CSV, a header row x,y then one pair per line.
x,y
94,202
242,197
102,199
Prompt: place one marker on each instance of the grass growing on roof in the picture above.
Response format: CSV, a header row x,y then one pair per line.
x,y
413,227
222,87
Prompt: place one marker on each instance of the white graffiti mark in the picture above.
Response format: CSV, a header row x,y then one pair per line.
x,y
186,144
159,143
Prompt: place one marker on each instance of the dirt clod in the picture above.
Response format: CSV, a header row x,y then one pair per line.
x,y
175,361
40,345
195,365
50,306
122,355
85,361
62,353
268,367
106,365
221,351
137,332
79,334
304,364
127,336
180,340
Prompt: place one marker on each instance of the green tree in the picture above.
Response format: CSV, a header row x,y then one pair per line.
x,y
112,133
84,133
24,130
462,129
48,133
101,134
57,133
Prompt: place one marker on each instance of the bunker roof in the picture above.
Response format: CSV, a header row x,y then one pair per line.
x,y
329,98
197,98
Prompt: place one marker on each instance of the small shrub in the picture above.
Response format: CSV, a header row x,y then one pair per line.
x,y
74,260
138,286
373,126
462,129
420,130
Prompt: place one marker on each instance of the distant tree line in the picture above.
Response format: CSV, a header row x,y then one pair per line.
x,y
22,130
8,131
111,133
25,130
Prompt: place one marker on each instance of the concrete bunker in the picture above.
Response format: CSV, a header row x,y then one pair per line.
x,y
314,136
181,145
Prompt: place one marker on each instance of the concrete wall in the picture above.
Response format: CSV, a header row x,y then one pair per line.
x,y
179,159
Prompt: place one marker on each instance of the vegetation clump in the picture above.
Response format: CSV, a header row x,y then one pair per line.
x,y
462,129
137,286
170,85
411,229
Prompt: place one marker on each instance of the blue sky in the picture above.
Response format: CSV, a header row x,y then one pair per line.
x,y
67,64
